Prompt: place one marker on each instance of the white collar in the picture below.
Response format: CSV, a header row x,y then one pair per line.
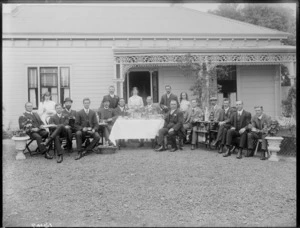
x,y
168,95
260,117
29,112
86,110
68,110
121,107
59,115
172,111
112,95
226,109
240,112
106,108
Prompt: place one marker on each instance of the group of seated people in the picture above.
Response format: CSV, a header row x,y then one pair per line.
x,y
180,117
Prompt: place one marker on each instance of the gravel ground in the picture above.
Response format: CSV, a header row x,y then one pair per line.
x,y
139,187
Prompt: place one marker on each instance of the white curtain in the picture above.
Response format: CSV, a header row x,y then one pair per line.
x,y
32,78
64,77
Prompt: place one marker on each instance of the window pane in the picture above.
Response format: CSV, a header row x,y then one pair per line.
x,y
33,97
64,77
48,80
54,94
32,78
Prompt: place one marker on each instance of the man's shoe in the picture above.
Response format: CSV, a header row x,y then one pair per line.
x,y
239,155
220,149
60,159
227,153
161,148
193,147
173,149
48,156
80,155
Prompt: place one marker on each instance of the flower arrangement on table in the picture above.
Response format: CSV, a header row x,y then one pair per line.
x,y
287,124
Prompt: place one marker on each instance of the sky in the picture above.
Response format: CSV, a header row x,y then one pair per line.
x,y
204,7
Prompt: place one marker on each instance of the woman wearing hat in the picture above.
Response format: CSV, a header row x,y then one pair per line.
x,y
46,107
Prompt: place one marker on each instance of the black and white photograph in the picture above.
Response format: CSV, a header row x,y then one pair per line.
x,y
149,114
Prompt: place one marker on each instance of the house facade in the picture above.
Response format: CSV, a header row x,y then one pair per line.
x,y
79,51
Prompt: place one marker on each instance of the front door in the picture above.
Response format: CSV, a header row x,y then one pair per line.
x,y
146,83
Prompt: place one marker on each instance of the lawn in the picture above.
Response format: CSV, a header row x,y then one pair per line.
x,y
140,187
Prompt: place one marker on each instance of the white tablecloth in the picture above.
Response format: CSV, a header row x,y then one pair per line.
x,y
135,129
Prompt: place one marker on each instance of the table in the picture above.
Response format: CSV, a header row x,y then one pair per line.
x,y
207,128
135,129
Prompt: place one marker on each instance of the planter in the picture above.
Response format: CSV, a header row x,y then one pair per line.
x,y
20,143
274,147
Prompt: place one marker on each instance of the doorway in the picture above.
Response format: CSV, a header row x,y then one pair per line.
x,y
146,83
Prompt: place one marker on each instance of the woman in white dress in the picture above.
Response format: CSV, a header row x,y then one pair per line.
x,y
184,102
46,108
135,102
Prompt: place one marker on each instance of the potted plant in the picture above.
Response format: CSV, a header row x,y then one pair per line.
x,y
273,140
20,137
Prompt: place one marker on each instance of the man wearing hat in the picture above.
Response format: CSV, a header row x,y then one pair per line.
x,y
71,115
107,116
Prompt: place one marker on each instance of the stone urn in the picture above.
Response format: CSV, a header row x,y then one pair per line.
x,y
20,143
274,146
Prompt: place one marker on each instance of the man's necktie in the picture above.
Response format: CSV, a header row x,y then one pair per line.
x,y
259,123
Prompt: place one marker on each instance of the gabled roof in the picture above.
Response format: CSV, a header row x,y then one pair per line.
x,y
126,20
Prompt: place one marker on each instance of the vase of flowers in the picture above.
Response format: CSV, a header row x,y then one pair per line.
x,y
20,137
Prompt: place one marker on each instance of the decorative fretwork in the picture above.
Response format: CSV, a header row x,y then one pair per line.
x,y
256,58
212,60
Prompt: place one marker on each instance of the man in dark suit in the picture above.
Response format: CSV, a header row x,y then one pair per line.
x,y
121,110
172,127
166,99
113,99
224,125
60,131
239,123
259,129
71,116
37,132
107,116
86,124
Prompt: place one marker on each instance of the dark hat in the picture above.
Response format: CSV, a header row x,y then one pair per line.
x,y
213,99
68,99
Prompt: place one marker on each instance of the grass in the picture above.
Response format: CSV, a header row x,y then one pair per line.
x,y
140,187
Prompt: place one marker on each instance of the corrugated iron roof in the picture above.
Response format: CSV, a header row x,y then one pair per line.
x,y
126,20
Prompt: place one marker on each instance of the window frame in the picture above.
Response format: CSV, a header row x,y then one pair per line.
x,y
38,67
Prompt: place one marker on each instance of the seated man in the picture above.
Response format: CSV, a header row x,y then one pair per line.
x,y
239,122
61,131
172,127
215,109
259,125
194,114
37,132
224,125
71,116
86,124
122,109
107,117
150,108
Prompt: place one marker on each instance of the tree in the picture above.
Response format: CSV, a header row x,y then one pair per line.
x,y
271,16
